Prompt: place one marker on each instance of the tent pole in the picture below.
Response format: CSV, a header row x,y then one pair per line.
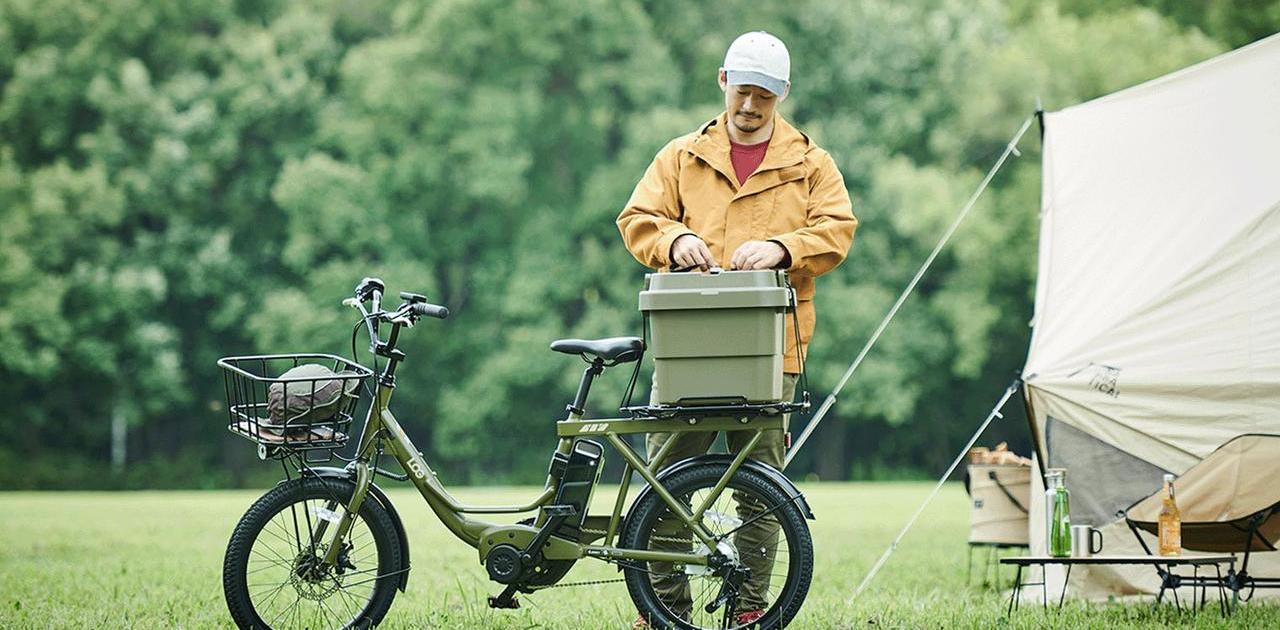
x,y
1040,119
1042,460
1011,148
995,413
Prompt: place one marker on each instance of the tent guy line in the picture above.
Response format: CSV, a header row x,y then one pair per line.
x,y
1011,148
884,557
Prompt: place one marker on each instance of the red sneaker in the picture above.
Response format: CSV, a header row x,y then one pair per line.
x,y
640,624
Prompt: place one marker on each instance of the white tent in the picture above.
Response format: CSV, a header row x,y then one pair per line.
x,y
1157,311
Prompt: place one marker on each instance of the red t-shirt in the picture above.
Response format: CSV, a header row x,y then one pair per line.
x,y
746,158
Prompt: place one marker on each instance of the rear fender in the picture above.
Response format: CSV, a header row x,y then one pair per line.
x,y
330,472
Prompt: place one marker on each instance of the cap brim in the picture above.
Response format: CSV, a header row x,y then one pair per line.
x,y
747,77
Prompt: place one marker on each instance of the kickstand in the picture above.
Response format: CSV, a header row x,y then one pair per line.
x,y
506,599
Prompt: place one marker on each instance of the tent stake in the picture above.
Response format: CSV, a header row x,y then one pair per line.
x,y
1011,148
995,413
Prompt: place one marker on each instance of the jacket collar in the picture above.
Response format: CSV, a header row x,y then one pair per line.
x,y
787,147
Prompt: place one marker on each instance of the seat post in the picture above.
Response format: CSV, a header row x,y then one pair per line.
x,y
579,404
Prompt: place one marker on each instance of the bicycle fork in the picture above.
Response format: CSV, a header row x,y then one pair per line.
x,y
342,523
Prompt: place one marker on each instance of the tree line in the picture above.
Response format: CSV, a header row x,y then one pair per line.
x,y
185,180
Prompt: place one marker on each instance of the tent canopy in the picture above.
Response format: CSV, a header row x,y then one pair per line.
x,y
1157,312
1157,326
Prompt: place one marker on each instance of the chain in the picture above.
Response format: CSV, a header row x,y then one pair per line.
x,y
652,538
586,583
621,563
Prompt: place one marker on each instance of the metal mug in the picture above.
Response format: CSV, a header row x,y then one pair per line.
x,y
1082,541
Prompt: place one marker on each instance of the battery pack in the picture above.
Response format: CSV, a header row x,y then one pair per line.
x,y
581,472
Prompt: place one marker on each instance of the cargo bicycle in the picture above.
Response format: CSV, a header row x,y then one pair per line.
x,y
705,540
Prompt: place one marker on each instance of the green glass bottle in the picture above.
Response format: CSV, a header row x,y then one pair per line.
x,y
1058,514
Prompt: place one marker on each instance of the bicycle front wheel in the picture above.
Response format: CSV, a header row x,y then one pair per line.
x,y
762,541
273,575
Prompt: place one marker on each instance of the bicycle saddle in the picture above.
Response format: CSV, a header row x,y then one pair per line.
x,y
613,350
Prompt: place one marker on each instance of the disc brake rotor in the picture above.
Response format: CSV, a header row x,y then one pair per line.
x,y
311,578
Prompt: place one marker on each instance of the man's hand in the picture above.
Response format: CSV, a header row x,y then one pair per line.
x,y
689,251
758,255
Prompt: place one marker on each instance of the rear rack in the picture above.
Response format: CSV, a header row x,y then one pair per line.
x,y
737,410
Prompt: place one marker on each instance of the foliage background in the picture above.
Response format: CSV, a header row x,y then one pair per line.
x,y
185,180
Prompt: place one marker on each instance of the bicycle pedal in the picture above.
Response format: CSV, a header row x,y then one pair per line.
x,y
508,603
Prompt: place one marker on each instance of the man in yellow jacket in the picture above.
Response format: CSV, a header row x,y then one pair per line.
x,y
744,191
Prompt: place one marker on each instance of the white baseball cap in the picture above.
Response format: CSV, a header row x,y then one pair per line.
x,y
758,58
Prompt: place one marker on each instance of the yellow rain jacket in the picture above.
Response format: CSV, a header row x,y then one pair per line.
x,y
796,198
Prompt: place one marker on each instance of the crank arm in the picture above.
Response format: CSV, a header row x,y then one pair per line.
x,y
557,514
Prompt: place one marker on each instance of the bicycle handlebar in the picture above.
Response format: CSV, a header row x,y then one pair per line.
x,y
413,307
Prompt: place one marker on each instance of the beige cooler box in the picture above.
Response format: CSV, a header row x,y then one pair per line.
x,y
716,337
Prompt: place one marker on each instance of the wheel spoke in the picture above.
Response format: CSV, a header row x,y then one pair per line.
x,y
282,539
278,558
373,579
329,611
270,566
271,595
297,535
347,600
288,608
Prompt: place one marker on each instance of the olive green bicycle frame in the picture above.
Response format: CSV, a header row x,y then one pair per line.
x,y
383,433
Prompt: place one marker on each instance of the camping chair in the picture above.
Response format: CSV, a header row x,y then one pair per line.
x,y
999,496
1229,503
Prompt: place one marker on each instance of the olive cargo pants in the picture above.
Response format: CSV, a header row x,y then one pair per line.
x,y
756,543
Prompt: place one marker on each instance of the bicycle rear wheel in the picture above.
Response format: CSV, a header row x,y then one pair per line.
x,y
758,529
272,576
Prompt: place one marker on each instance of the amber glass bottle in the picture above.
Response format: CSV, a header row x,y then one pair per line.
x,y
1170,522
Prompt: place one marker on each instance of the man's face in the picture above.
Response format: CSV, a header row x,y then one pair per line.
x,y
749,107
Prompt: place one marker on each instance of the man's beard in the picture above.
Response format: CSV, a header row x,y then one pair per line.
x,y
747,123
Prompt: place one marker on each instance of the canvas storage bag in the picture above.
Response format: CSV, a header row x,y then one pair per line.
x,y
1000,496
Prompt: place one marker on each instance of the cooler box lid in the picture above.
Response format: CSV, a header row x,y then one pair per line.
x,y
709,290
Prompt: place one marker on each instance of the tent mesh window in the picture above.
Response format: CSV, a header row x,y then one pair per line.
x,y
1109,480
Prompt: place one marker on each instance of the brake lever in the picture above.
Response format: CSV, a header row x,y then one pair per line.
x,y
401,315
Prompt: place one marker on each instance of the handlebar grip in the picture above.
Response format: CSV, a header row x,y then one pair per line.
x,y
431,310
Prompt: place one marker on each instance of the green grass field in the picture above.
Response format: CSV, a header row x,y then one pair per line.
x,y
153,560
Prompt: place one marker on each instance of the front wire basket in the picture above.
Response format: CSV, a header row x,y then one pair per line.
x,y
296,413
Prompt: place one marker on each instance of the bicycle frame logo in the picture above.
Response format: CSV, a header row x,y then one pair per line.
x,y
595,427
418,468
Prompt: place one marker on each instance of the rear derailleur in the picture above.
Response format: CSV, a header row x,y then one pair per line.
x,y
732,575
